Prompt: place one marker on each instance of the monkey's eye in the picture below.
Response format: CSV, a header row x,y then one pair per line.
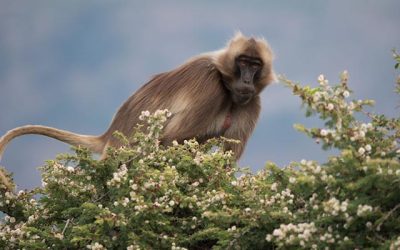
x,y
255,66
242,63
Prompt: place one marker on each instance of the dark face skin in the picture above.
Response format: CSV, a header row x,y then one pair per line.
x,y
247,71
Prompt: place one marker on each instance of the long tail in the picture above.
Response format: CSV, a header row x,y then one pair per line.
x,y
95,143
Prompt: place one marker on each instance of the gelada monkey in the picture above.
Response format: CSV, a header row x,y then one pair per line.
x,y
212,94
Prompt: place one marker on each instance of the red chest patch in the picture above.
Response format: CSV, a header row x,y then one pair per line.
x,y
227,122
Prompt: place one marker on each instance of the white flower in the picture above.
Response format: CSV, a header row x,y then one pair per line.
x,y
351,106
330,106
363,127
363,209
292,180
317,170
12,220
395,244
368,147
322,80
125,202
143,115
95,246
343,206
316,97
172,203
134,187
277,232
324,132
346,94
361,150
332,206
274,186
70,169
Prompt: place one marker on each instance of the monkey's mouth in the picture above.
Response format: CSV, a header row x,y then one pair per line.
x,y
242,99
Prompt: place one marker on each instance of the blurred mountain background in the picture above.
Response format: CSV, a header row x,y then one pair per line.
x,y
71,64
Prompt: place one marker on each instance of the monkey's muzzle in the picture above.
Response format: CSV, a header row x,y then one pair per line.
x,y
242,97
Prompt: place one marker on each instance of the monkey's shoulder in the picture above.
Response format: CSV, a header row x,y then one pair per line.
x,y
203,64
199,67
196,75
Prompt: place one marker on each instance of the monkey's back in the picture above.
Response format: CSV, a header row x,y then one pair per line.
x,y
185,91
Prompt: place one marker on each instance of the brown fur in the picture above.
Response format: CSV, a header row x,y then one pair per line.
x,y
194,93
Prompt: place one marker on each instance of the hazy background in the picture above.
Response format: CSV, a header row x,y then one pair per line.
x,y
71,64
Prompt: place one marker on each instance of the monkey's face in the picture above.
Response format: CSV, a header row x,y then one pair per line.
x,y
246,67
247,73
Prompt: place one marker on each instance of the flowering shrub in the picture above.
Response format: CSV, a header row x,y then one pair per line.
x,y
193,196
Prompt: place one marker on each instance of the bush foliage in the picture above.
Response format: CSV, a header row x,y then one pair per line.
x,y
193,196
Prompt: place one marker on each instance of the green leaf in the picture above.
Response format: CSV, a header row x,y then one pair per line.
x,y
300,127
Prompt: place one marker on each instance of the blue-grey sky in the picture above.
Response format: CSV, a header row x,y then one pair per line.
x,y
71,64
